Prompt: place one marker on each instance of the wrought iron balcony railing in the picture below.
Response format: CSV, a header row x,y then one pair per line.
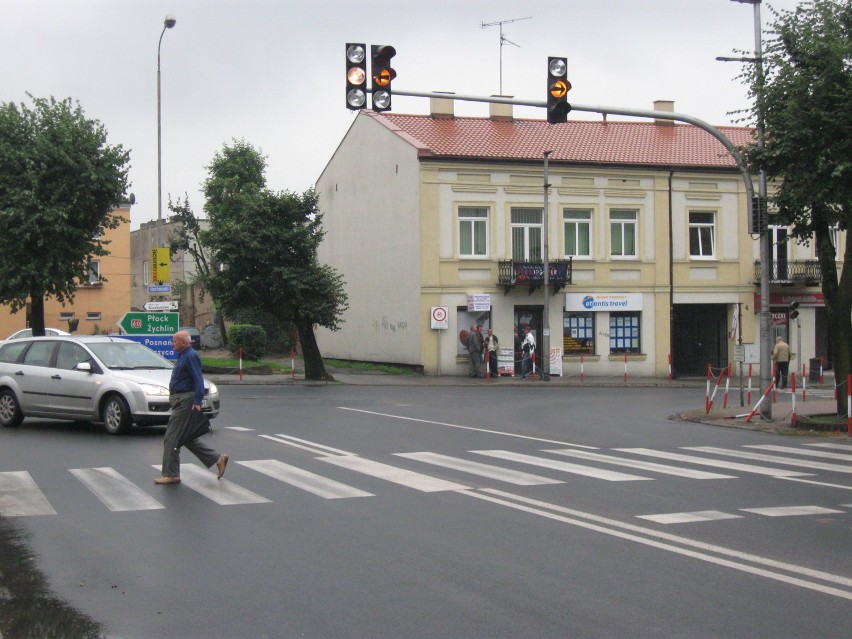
x,y
791,272
511,274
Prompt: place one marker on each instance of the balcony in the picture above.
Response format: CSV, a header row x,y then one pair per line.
x,y
791,273
531,274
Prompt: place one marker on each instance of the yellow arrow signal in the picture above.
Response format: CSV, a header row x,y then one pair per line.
x,y
560,88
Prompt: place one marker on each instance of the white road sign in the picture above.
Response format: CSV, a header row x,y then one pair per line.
x,y
161,306
440,317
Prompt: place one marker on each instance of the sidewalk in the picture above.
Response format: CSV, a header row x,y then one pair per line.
x,y
819,402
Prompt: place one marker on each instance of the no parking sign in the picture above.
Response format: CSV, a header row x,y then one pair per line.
x,y
440,317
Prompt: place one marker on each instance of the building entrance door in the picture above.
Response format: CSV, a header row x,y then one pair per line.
x,y
531,316
699,338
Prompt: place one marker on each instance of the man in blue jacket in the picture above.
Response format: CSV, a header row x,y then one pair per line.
x,y
186,390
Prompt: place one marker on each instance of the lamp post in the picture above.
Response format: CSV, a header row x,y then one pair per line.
x,y
168,23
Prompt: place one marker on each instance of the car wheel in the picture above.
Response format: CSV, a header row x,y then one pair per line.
x,y
10,410
115,415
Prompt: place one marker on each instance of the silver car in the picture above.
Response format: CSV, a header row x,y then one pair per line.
x,y
95,378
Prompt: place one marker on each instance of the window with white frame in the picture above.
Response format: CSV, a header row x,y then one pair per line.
x,y
94,272
622,232
527,234
702,234
578,232
473,231
624,330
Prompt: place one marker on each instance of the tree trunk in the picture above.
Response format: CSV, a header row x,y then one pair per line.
x,y
838,306
314,366
37,313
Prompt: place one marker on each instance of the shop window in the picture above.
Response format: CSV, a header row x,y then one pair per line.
x,y
624,333
578,333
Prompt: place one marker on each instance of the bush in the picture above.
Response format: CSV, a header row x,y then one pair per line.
x,y
279,335
250,337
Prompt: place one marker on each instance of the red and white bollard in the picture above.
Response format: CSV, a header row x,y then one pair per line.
x,y
849,405
760,401
241,363
625,368
670,367
804,383
727,387
487,364
707,394
292,362
581,367
748,399
821,378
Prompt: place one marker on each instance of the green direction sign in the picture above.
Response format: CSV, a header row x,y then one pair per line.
x,y
150,323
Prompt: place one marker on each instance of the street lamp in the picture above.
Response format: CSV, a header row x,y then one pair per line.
x,y
168,23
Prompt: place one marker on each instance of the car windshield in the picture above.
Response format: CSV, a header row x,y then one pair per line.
x,y
128,356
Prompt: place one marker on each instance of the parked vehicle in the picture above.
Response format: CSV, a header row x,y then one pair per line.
x,y
194,335
95,378
28,332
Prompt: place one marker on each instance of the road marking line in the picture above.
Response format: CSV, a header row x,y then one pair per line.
x,y
642,465
239,428
221,491
115,491
20,497
801,451
791,511
831,445
567,467
716,463
306,480
499,473
654,537
772,459
481,430
688,518
418,481
816,483
317,449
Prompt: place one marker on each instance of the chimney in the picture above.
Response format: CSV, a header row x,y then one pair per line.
x,y
668,107
498,111
442,107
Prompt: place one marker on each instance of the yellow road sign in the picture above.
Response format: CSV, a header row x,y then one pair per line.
x,y
160,261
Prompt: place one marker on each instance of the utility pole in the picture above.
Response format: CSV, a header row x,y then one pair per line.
x,y
545,326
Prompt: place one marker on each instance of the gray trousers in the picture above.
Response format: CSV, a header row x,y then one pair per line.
x,y
181,404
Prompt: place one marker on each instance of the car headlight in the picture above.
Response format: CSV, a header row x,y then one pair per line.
x,y
213,389
156,391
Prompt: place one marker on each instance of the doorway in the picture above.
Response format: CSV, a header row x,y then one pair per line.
x,y
531,316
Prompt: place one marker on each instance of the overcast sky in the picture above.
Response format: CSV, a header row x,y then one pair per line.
x,y
271,72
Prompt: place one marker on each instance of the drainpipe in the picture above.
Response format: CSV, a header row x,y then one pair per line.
x,y
671,274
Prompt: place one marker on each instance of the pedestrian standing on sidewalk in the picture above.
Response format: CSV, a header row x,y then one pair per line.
x,y
474,349
186,392
492,345
528,347
781,357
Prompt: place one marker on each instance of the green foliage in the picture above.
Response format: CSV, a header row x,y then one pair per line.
x,y
280,335
251,338
266,244
59,184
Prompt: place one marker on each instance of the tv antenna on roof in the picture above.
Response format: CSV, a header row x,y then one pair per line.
x,y
503,41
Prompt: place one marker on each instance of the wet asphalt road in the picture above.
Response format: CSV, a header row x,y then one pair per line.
x,y
345,512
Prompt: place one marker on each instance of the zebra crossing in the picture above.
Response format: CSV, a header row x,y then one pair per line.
x,y
20,496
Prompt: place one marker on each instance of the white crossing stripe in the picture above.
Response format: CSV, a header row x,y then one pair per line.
x,y
803,451
716,463
688,518
306,480
423,483
642,465
19,496
499,473
115,491
791,511
304,444
787,461
241,429
222,491
588,471
831,445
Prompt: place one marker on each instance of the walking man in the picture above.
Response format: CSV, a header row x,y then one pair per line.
x,y
474,349
186,390
781,357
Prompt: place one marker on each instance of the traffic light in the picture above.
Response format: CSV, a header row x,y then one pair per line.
x,y
557,90
383,74
794,310
356,76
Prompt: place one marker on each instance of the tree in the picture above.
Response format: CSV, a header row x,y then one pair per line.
x,y
267,243
59,185
804,99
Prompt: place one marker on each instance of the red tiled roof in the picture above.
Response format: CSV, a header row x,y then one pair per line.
x,y
584,142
